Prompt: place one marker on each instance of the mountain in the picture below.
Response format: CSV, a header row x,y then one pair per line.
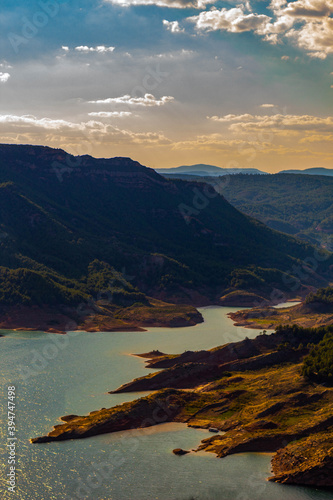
x,y
310,171
62,217
205,170
299,205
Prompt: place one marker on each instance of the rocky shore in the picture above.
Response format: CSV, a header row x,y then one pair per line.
x,y
268,317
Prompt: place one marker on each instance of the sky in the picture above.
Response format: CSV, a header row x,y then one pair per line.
x,y
171,82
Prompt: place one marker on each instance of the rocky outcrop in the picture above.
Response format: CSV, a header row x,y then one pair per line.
x,y
179,451
308,461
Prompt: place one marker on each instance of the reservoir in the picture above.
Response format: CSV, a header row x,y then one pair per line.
x,y
57,375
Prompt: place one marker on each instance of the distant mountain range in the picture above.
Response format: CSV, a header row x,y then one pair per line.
x,y
59,213
310,171
203,170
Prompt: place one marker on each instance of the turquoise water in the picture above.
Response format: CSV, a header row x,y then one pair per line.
x,y
56,375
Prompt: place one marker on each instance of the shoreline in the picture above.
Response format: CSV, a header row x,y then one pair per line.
x,y
251,391
61,319
259,402
136,318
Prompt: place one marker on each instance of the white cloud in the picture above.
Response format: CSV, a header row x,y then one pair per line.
x,y
231,118
267,105
51,131
147,100
308,23
100,49
279,122
25,121
176,4
233,20
4,77
173,26
173,55
111,114
316,37
309,8
5,65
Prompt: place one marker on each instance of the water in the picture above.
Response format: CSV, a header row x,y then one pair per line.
x,y
56,375
286,304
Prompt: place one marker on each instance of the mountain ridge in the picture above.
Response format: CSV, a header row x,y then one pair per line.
x,y
179,242
202,170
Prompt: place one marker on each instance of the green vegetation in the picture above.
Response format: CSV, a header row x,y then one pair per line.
x,y
318,365
322,296
306,336
296,204
26,287
106,283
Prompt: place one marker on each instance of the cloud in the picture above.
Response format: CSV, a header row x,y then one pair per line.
x,y
26,121
317,138
5,65
173,26
315,37
111,114
175,4
307,23
277,122
53,131
147,100
233,20
231,118
100,49
267,105
172,55
4,77
309,8
211,142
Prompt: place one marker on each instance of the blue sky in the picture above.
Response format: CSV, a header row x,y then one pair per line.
x,y
172,82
